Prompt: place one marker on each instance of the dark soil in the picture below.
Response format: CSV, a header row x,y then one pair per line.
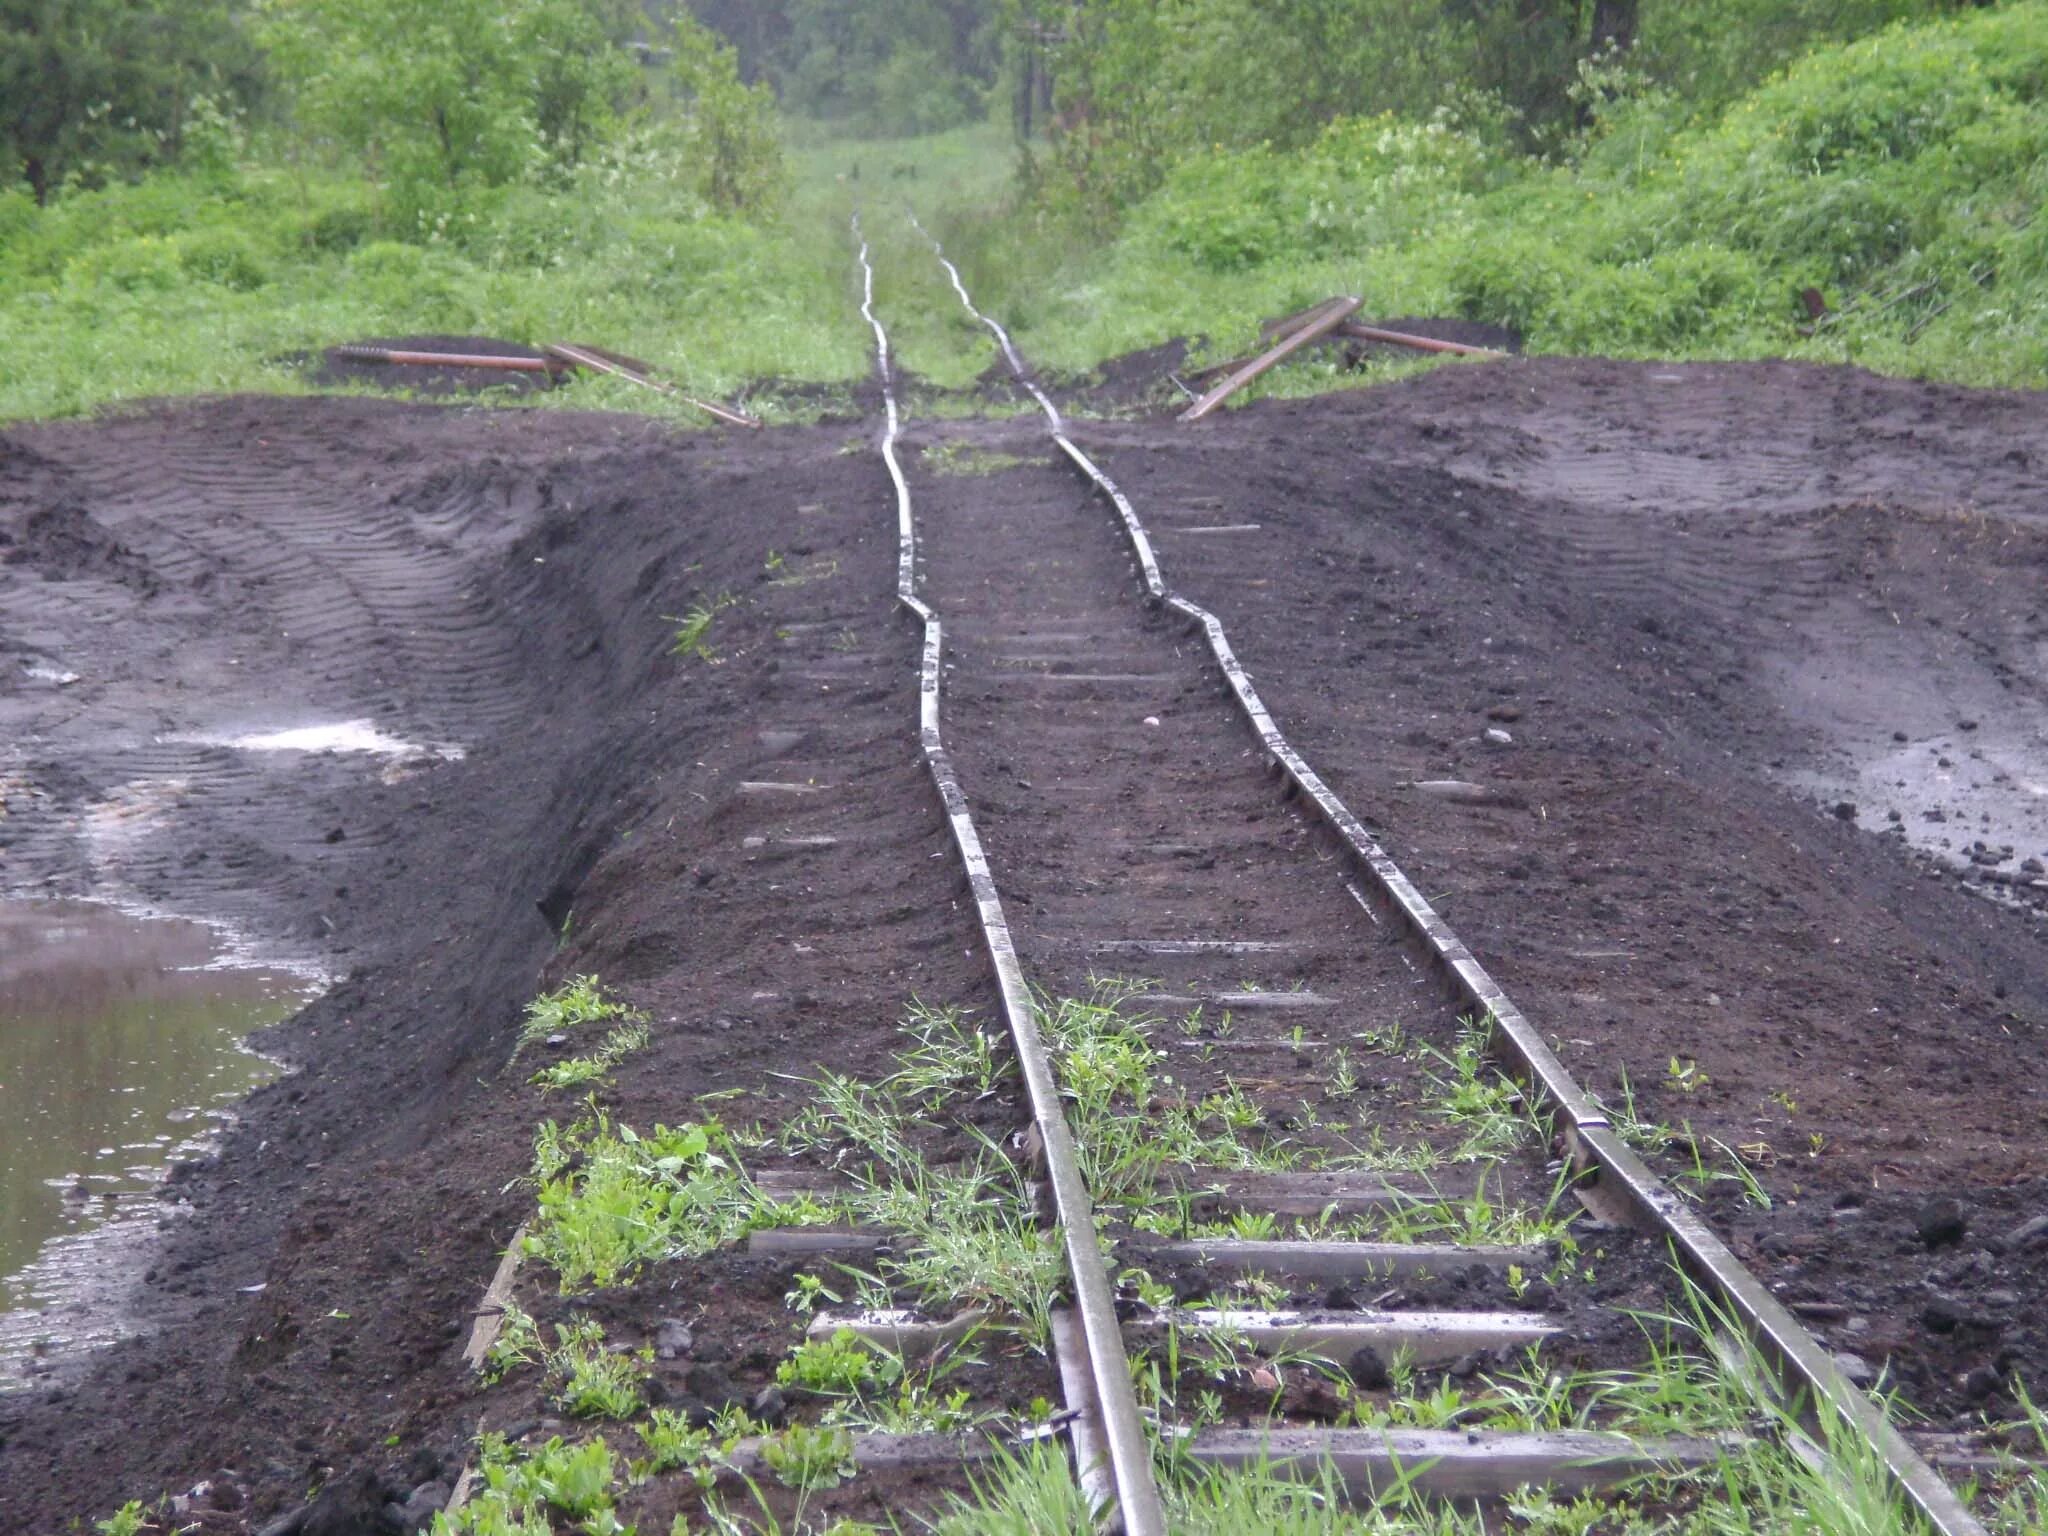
x,y
1694,598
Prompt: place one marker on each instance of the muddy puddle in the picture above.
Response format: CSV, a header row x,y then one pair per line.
x,y
121,1050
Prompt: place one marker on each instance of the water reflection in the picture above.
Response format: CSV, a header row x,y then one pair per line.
x,y
119,1045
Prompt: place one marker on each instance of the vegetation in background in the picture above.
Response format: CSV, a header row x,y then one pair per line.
x,y
94,90
885,67
1898,175
202,195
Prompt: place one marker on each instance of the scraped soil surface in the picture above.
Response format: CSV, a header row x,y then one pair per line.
x,y
1729,619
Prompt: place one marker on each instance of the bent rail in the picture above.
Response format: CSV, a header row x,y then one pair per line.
x,y
1597,1148
1105,1374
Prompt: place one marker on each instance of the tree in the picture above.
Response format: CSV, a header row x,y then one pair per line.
x,y
439,95
736,136
96,88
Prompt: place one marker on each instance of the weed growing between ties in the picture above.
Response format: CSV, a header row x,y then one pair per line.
x,y
613,1202
558,1016
1699,1382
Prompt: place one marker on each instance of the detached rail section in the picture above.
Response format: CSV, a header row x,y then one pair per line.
x,y
1609,1167
1112,1453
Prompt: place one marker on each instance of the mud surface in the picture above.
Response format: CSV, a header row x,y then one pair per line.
x,y
1698,601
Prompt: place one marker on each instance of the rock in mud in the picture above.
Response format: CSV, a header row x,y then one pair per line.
x,y
1859,1370
418,1511
1941,1223
1369,1369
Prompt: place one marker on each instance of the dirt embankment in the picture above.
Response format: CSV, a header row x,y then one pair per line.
x,y
1699,602
492,590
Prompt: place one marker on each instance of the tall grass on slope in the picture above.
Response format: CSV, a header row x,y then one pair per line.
x,y
1901,175
220,282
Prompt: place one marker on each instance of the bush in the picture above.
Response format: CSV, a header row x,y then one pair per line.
x,y
17,218
340,228
225,257
142,264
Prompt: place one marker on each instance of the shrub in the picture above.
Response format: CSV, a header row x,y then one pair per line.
x,y
142,264
224,257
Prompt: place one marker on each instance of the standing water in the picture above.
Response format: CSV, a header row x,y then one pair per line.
x,y
120,1051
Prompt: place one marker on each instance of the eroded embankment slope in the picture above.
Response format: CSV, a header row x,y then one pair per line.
x,y
493,588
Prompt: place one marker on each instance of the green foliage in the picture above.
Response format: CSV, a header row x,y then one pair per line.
x,y
807,1458
627,252
839,1365
883,67
131,1519
519,1492
223,256
97,89
444,96
693,629
576,1002
734,135
611,1200
580,1071
591,1380
1898,174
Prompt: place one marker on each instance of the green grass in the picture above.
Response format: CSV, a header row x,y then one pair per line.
x,y
577,1002
1899,174
963,459
191,283
611,1200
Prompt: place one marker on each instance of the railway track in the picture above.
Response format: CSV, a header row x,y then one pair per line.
x,y
1268,1185
1139,830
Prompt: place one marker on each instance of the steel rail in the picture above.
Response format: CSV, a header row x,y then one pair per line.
x,y
401,358
1596,1146
1113,1413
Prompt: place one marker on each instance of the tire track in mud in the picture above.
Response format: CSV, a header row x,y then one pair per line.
x,y
293,579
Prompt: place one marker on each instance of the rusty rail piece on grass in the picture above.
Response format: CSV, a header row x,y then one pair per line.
x,y
556,358
1107,1433
1324,319
1596,1149
400,357
620,366
1353,330
1359,331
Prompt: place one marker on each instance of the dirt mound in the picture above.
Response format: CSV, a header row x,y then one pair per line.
x,y
65,541
334,366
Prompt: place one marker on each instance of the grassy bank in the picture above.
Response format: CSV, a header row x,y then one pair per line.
x,y
214,282
1899,176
